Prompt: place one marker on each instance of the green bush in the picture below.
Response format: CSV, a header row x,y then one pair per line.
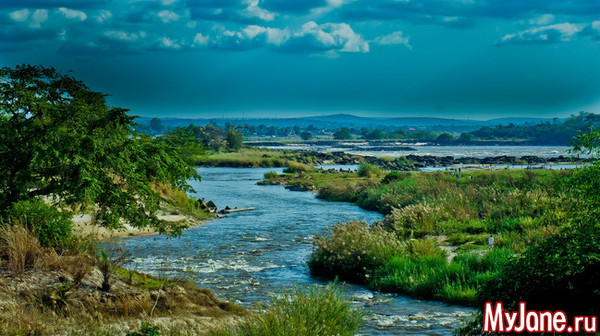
x,y
146,330
353,249
271,175
297,167
309,312
368,170
50,226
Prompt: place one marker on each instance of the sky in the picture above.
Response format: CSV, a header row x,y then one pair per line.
x,y
476,59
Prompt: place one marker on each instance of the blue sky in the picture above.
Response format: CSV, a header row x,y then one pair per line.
x,y
475,59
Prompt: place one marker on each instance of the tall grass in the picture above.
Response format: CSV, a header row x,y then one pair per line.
x,y
350,250
301,312
20,248
369,170
432,277
247,157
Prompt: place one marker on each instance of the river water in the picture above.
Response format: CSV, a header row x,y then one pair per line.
x,y
249,255
456,151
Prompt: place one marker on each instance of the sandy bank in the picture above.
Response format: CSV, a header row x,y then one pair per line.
x,y
82,225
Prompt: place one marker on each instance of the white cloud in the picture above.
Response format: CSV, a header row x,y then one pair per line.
x,y
335,3
103,16
338,36
38,17
560,32
393,39
34,20
254,10
72,14
201,40
311,37
545,19
20,15
253,31
124,36
167,16
169,43
277,36
331,5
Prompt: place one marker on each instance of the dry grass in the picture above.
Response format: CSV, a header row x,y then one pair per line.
x,y
20,248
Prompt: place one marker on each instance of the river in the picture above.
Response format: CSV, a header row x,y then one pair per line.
x,y
455,151
249,255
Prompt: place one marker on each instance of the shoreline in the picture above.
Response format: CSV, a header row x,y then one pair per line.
x,y
83,226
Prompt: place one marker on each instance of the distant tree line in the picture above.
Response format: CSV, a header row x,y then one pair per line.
x,y
551,133
218,137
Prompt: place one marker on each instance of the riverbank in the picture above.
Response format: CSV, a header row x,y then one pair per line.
x,y
433,242
82,225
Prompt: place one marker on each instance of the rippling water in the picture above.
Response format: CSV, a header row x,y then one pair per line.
x,y
249,255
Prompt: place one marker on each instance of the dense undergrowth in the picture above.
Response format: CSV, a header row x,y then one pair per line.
x,y
433,242
435,239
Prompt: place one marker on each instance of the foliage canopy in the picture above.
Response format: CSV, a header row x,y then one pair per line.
x,y
60,140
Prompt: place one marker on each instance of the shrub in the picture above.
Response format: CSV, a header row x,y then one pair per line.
x,y
49,225
309,312
146,330
412,219
352,249
271,175
368,170
297,167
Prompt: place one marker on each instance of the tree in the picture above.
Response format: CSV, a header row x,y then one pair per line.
x,y
445,138
466,137
235,139
306,136
375,135
59,139
342,134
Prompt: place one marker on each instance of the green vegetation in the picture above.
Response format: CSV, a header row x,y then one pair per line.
x,y
296,168
310,312
50,226
432,277
254,158
543,133
561,272
432,243
342,134
369,170
60,140
146,330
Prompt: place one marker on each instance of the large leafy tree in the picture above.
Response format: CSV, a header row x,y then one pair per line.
x,y
61,141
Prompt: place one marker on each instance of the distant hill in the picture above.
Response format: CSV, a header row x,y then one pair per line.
x,y
348,120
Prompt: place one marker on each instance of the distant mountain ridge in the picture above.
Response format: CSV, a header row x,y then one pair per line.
x,y
349,120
